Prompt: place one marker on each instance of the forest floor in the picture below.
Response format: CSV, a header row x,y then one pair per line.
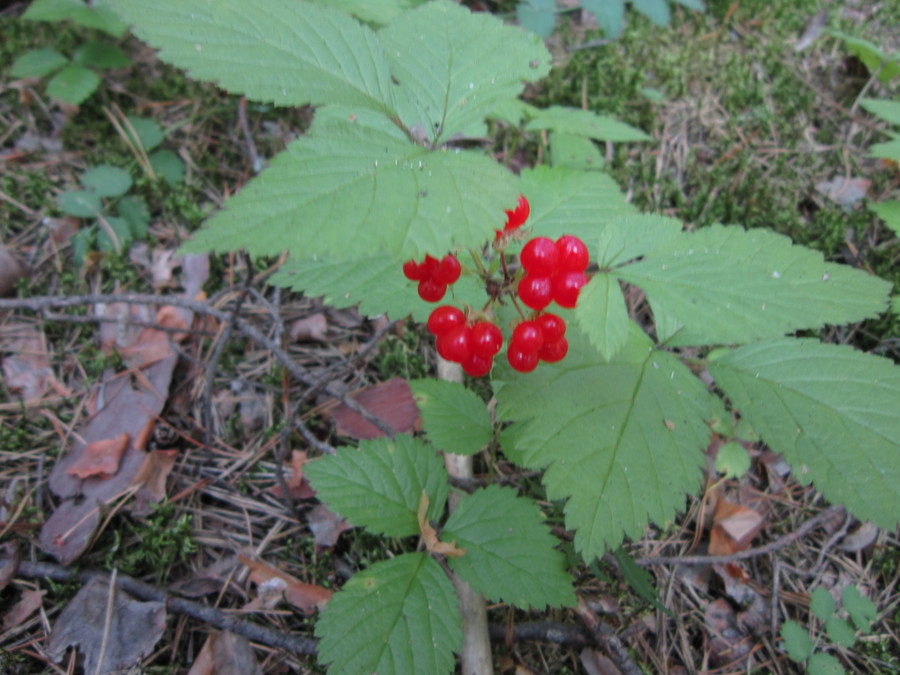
x,y
750,126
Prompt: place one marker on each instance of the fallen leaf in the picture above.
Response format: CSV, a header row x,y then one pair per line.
x,y
844,191
313,327
303,596
12,557
596,664
297,484
151,479
28,604
100,458
326,526
11,270
134,628
26,371
734,527
226,654
862,537
728,644
391,401
429,534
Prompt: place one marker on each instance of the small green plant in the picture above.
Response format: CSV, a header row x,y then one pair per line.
x,y
802,648
73,79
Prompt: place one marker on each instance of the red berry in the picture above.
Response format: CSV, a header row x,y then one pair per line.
x,y
551,352
477,366
444,318
573,254
527,336
485,339
552,327
447,271
431,291
535,292
522,360
413,270
566,287
518,216
454,344
540,257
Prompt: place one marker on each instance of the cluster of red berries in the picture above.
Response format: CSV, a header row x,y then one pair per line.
x,y
554,270
472,344
433,275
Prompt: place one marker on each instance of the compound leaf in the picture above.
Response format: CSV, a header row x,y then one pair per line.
x,y
146,132
375,282
379,484
889,212
796,640
622,440
37,63
107,181
80,203
73,84
635,235
584,123
398,616
824,664
96,16
727,285
454,418
602,314
279,51
832,411
378,13
862,610
510,555
357,186
167,165
822,604
889,111
100,55
840,631
575,152
454,66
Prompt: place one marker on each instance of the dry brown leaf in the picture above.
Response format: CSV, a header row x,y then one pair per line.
x,y
429,534
26,371
10,271
28,604
134,628
734,527
151,479
297,484
13,556
728,644
392,401
303,596
226,654
101,458
326,526
596,664
313,327
844,191
862,537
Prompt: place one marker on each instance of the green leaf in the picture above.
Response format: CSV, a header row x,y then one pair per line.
x,y
82,242
889,150
454,419
731,286
610,14
134,211
167,165
73,84
603,316
567,201
575,152
510,555
279,51
871,56
538,16
378,13
796,640
454,66
633,236
840,631
889,111
623,440
655,10
100,55
822,604
353,189
833,412
732,460
859,607
692,4
379,485
824,664
895,304
116,237
146,133
584,123
98,16
398,616
639,579
80,203
107,181
37,63
889,212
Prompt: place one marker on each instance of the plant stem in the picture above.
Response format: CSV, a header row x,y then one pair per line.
x,y
476,649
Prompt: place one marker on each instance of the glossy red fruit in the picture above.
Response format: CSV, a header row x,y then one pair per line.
x,y
485,339
573,254
431,291
521,360
413,270
454,344
552,327
445,317
527,336
551,352
536,292
540,257
477,366
566,287
518,216
447,271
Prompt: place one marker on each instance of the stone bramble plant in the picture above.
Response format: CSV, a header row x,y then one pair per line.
x,y
377,204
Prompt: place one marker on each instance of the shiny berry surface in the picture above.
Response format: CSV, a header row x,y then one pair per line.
x,y
454,344
445,317
527,336
573,254
566,287
521,360
447,271
552,327
536,292
413,270
540,257
431,291
485,339
477,366
551,352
